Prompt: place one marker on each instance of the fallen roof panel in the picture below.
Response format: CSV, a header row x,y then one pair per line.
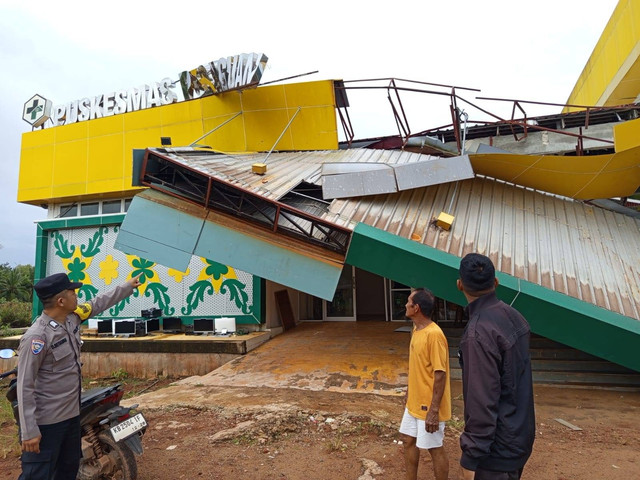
x,y
360,179
580,177
358,184
433,172
226,240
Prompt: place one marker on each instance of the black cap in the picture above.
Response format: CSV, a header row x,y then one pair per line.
x,y
477,273
54,284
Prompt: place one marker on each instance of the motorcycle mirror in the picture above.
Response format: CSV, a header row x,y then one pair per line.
x,y
7,353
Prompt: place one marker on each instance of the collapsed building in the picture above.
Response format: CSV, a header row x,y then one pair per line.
x,y
224,193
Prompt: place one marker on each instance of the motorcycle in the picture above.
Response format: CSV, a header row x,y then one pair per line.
x,y
111,434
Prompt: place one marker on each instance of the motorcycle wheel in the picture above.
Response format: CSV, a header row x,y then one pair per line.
x,y
121,458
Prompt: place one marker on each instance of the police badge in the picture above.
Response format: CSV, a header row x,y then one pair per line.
x,y
36,346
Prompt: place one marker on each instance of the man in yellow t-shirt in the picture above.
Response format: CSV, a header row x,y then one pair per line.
x,y
429,394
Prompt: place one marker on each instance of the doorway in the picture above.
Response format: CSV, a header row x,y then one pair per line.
x,y
343,306
371,297
361,296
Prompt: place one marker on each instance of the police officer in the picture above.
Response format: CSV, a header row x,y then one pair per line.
x,y
50,379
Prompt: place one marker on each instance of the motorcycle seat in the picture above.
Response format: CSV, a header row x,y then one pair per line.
x,y
95,394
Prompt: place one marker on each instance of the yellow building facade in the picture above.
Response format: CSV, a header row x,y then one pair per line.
x,y
612,73
93,159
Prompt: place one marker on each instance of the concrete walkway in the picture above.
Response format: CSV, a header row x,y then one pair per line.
x,y
366,357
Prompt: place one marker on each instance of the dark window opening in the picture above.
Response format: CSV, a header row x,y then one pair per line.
x,y
69,211
89,209
306,197
111,206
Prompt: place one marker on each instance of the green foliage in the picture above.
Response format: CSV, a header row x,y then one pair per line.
x,y
16,294
15,314
6,331
120,374
9,445
16,283
4,267
26,271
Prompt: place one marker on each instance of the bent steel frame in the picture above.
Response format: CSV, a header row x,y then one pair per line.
x,y
163,173
518,127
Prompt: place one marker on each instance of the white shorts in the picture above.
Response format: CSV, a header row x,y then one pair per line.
x,y
414,427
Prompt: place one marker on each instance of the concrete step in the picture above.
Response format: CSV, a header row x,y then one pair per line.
x,y
590,379
556,363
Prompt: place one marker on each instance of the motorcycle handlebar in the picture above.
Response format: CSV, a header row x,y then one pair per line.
x,y
10,372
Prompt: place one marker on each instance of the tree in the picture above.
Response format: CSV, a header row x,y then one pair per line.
x,y
16,283
27,272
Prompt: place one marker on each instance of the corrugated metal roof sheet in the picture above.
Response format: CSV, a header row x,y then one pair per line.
x,y
565,245
285,170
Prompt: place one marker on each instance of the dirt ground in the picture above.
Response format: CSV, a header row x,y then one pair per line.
x,y
265,433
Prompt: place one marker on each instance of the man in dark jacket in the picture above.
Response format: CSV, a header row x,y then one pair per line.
x,y
496,379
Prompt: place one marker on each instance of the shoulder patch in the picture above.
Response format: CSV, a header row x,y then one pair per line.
x,y
83,311
36,346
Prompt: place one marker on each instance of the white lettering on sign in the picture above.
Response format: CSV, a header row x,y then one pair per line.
x,y
222,75
113,103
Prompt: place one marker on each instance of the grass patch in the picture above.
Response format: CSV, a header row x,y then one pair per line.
x,y
244,439
337,444
120,374
456,423
131,386
7,331
9,444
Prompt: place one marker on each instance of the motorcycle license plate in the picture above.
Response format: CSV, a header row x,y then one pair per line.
x,y
128,427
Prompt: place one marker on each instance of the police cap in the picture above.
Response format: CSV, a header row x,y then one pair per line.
x,y
54,284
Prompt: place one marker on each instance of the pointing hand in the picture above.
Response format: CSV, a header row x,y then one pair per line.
x,y
135,281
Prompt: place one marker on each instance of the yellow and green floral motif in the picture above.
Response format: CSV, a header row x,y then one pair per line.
x,y
77,260
144,268
151,285
216,273
212,278
109,269
177,275
216,277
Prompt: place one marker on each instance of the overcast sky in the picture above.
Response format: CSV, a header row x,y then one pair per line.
x,y
68,50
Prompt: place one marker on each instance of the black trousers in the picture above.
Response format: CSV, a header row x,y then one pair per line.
x,y
491,475
60,451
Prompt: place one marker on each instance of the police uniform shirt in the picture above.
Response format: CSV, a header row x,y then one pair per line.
x,y
49,369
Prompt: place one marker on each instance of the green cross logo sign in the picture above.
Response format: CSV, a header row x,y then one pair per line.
x,y
36,111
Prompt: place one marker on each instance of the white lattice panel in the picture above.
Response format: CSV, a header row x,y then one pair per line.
x,y
87,255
